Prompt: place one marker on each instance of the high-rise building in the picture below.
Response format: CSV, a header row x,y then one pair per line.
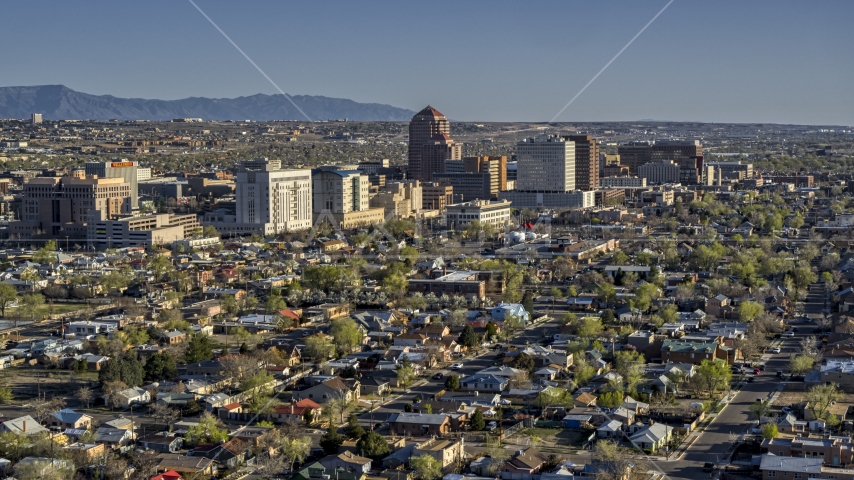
x,y
118,168
343,193
635,154
36,118
436,196
475,178
268,201
430,144
586,161
401,199
545,164
62,206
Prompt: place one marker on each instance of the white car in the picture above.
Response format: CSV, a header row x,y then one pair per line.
x,y
774,350
456,366
789,334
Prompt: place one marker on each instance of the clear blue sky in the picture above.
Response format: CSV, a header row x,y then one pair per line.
x,y
719,61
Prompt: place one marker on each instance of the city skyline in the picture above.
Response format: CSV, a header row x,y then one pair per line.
x,y
759,62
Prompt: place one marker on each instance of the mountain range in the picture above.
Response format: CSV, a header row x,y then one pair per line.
x,y
58,102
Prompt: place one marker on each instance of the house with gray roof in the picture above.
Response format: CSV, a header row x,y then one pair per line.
x,y
775,467
485,383
652,437
420,424
68,418
25,425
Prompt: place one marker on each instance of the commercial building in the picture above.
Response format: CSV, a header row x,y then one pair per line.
x,y
466,283
118,168
737,170
660,172
623,182
36,118
61,206
495,213
586,161
268,201
496,167
430,144
402,199
635,154
435,196
545,164
799,181
344,194
147,230
466,186
143,174
558,200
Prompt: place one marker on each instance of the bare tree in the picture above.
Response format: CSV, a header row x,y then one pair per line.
x,y
84,394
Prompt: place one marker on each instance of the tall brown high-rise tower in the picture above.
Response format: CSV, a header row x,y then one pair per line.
x,y
430,129
586,162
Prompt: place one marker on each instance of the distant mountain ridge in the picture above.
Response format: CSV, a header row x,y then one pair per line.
x,y
58,102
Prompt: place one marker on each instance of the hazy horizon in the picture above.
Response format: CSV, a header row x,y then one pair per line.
x,y
722,62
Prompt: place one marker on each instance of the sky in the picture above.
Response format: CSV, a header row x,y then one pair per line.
x,y
774,61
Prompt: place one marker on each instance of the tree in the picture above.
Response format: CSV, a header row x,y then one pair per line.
x,y
801,364
160,264
590,327
427,467
200,347
520,380
160,366
346,334
491,330
820,397
405,373
30,304
760,409
43,255
619,258
353,429
523,361
331,440
452,382
713,375
274,303
610,399
126,369
8,296
210,231
209,429
769,430
477,421
295,449
528,302
318,349
133,336
372,445
748,310
468,338
6,396
396,285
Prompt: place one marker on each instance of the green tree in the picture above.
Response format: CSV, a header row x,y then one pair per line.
x,y
200,347
749,310
820,397
8,296
760,409
353,429
452,382
610,399
372,445
528,302
229,305
405,373
208,429
160,366
318,349
712,376
43,255
160,264
491,330
210,231
468,338
477,421
801,365
126,369
590,327
274,303
295,450
31,304
769,430
523,361
396,285
331,440
346,334
619,258
427,467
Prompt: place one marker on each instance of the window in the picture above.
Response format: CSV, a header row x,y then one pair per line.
x,y
797,475
772,474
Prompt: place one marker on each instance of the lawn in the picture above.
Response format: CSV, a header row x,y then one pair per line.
x,y
558,436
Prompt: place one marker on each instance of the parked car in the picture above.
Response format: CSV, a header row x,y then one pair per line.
x,y
780,373
794,329
491,426
756,371
775,350
708,466
456,366
750,379
438,376
789,334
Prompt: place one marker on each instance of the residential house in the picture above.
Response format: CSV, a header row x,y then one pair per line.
x,y
68,418
419,424
187,465
436,331
695,352
296,411
113,437
411,340
585,399
610,429
503,311
775,468
231,453
129,396
833,451
652,437
90,450
446,452
174,337
717,306
346,461
528,461
162,442
25,425
332,388
484,383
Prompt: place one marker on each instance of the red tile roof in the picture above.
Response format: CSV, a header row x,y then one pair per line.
x,y
289,313
232,406
168,475
429,111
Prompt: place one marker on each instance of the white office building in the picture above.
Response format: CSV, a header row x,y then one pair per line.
x,y
558,200
660,172
545,164
623,182
268,201
496,213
